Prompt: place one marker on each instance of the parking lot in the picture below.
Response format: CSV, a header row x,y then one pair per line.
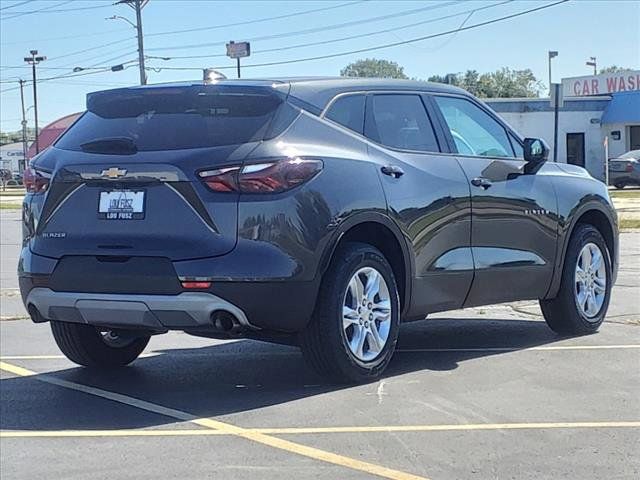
x,y
481,393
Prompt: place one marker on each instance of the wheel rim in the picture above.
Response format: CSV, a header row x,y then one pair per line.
x,y
366,314
590,280
112,339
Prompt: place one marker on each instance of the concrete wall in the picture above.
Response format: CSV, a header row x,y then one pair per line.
x,y
617,147
540,125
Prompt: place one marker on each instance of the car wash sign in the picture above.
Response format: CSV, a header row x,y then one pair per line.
x,y
605,84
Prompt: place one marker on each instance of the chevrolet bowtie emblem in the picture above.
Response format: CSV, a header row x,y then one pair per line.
x,y
113,172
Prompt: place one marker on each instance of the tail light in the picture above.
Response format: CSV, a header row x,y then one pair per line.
x,y
629,167
35,181
272,176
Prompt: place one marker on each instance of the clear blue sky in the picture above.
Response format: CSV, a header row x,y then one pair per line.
x,y
608,30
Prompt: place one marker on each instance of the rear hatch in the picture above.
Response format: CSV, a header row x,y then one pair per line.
x,y
124,178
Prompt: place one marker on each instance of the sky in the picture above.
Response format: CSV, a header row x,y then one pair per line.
x,y
77,33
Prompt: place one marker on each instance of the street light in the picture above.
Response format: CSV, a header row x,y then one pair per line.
x,y
33,60
592,63
552,54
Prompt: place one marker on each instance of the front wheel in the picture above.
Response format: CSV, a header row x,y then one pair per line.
x,y
88,346
585,289
619,185
354,330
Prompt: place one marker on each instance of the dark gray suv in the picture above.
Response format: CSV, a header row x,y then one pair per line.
x,y
321,212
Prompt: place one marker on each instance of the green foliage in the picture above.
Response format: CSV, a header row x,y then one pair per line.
x,y
503,83
373,67
614,69
14,137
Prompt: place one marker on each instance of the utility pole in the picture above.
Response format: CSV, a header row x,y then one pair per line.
x,y
137,5
25,148
34,60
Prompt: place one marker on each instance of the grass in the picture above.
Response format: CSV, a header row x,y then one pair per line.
x,y
10,206
635,193
629,223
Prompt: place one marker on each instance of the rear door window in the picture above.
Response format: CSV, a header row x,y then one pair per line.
x,y
175,118
348,111
401,121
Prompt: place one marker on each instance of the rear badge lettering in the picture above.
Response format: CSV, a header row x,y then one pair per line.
x,y
54,235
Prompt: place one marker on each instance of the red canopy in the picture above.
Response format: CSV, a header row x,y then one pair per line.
x,y
51,132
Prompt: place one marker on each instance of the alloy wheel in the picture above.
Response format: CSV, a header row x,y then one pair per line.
x,y
366,314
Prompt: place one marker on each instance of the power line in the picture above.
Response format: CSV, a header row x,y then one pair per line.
x,y
380,47
316,29
45,9
67,37
351,37
52,9
258,20
16,5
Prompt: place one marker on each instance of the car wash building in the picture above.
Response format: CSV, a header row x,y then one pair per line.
x,y
593,108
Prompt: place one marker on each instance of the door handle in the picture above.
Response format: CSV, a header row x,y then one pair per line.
x,y
392,170
481,182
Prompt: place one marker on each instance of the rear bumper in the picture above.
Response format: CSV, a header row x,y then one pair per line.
x,y
153,312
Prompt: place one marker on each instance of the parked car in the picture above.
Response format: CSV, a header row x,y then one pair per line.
x,y
320,212
625,170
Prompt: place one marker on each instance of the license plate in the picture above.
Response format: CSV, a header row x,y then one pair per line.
x,y
121,205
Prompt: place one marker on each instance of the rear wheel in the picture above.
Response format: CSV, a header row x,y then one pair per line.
x,y
91,347
585,289
619,185
354,330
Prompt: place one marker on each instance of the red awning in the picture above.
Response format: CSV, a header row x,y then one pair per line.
x,y
51,132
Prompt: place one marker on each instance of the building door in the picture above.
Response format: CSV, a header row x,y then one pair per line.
x,y
634,138
575,149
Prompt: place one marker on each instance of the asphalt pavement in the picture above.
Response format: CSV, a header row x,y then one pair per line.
x,y
488,393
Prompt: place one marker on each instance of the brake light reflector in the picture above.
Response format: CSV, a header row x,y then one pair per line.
x,y
273,176
35,181
196,285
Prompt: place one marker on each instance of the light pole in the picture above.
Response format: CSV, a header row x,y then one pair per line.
x,y
552,54
592,63
34,60
23,164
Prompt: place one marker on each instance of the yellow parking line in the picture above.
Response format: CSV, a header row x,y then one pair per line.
x,y
254,436
318,430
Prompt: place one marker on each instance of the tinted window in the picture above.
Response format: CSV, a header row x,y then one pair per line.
x,y
473,130
401,121
174,118
348,111
517,148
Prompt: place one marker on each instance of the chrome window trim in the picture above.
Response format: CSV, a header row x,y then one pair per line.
x,y
369,140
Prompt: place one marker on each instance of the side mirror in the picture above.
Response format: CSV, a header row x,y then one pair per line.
x,y
536,150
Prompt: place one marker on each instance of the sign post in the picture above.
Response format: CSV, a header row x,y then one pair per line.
x,y
606,160
238,50
557,101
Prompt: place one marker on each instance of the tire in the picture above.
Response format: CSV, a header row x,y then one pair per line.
x,y
563,314
85,345
325,342
619,185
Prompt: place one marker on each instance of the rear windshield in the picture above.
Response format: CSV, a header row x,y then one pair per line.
x,y
175,118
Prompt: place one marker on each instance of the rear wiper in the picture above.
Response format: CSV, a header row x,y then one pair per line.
x,y
111,146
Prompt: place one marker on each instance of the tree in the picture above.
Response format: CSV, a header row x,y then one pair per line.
x,y
373,67
503,83
613,69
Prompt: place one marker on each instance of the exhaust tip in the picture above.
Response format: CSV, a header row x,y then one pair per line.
x,y
225,321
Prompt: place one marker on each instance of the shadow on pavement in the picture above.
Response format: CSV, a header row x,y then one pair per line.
x,y
238,376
